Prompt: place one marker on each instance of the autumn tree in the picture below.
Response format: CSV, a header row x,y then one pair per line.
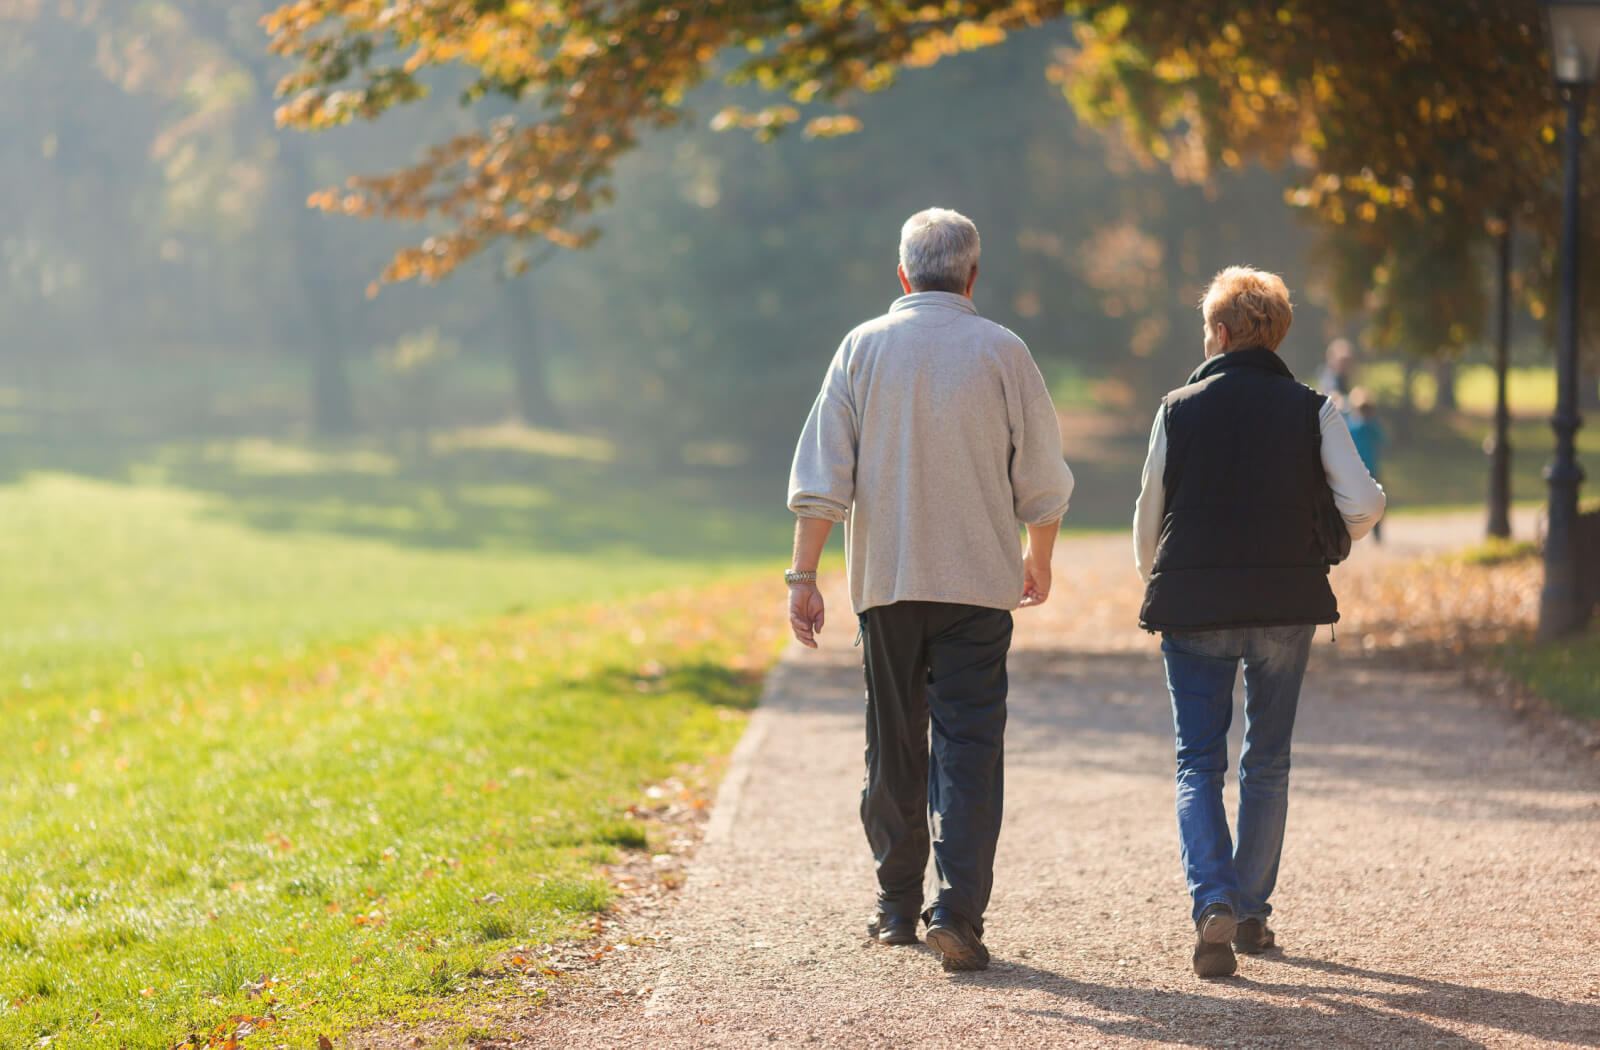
x,y
1420,128
1373,103
592,77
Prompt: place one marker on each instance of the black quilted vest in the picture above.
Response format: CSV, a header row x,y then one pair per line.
x,y
1244,467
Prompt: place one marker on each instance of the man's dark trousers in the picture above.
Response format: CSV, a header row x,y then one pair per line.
x,y
942,665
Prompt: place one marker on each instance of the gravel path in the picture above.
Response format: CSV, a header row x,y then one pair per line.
x,y
1440,888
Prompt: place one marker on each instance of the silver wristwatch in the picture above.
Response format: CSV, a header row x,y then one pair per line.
x,y
796,576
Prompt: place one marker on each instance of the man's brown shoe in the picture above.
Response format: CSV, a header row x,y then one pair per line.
x,y
1213,955
954,938
1253,937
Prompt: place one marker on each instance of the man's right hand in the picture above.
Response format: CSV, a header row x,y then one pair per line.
x,y
1035,580
1036,563
805,613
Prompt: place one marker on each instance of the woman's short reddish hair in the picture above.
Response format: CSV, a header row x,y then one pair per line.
x,y
1253,304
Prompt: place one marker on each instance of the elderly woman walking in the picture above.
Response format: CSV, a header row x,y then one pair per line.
x,y
1228,534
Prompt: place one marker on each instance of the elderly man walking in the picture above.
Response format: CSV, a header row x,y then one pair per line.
x,y
1242,464
935,442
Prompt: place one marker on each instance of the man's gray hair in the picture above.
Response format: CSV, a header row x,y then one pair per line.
x,y
938,249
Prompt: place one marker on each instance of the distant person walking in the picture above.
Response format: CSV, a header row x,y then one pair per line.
x,y
1370,437
932,440
1225,536
1338,371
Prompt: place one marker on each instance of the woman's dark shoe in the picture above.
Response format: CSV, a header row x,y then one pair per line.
x,y
1213,955
1253,937
954,938
892,929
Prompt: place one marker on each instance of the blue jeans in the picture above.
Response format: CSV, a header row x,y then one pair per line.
x,y
1201,666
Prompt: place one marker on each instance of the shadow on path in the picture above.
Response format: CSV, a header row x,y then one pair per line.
x,y
1356,1012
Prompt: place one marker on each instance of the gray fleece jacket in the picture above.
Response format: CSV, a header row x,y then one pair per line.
x,y
933,439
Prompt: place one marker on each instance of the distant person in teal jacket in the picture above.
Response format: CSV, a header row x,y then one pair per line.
x,y
1368,435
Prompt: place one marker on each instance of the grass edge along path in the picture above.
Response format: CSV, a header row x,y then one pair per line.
x,y
1475,606
1564,671
260,856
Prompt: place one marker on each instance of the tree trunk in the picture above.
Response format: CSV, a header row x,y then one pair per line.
x,y
1407,414
528,363
332,407
1444,374
332,411
320,330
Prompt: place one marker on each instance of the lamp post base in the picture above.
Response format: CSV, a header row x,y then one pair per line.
x,y
1499,487
1561,606
1560,613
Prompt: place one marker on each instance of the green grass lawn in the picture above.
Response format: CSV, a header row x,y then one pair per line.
x,y
102,577
1441,462
308,738
173,553
1530,391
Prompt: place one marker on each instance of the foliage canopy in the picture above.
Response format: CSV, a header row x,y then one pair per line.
x,y
1396,111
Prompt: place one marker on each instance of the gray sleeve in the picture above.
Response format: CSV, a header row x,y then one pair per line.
x,y
822,482
1041,481
1359,498
1151,508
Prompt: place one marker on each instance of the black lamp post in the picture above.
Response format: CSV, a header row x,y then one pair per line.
x,y
1500,443
1574,35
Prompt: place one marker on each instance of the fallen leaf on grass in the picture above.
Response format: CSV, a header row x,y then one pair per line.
x,y
324,1043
